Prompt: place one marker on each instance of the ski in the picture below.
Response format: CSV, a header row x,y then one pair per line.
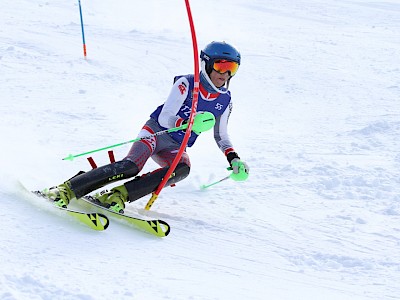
x,y
155,227
96,221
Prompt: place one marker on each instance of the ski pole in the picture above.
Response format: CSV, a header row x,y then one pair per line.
x,y
204,186
71,156
83,32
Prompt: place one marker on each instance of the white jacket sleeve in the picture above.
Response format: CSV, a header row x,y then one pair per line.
x,y
221,131
168,116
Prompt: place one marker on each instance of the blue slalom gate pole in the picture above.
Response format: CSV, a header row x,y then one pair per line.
x,y
83,31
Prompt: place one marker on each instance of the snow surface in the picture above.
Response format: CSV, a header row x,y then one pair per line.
x,y
316,116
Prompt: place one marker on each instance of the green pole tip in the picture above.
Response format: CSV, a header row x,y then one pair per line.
x,y
69,157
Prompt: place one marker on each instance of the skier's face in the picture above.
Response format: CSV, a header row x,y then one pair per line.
x,y
219,79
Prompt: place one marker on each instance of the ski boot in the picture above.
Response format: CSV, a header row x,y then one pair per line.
x,y
114,199
61,194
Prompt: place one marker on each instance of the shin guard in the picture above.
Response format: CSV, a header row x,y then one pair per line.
x,y
143,185
84,183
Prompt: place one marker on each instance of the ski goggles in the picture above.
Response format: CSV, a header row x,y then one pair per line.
x,y
223,65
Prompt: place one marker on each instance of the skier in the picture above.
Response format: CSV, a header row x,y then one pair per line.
x,y
219,63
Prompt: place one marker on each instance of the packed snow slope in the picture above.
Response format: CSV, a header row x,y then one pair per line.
x,y
316,116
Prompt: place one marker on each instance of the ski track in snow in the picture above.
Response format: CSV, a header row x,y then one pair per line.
x,y
315,116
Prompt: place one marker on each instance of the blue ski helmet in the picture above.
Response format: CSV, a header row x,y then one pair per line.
x,y
218,50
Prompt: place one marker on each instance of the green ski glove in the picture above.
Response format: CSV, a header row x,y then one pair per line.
x,y
240,170
203,121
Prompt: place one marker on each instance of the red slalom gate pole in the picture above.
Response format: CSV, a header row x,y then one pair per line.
x,y
192,113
